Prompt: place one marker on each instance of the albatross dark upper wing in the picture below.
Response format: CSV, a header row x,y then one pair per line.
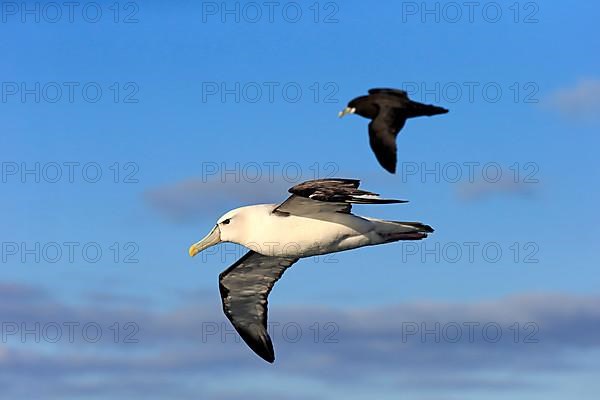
x,y
244,289
328,195
382,136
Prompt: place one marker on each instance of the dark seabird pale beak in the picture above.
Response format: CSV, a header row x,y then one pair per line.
x,y
214,237
347,110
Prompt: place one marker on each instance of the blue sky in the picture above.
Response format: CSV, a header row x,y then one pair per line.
x,y
163,135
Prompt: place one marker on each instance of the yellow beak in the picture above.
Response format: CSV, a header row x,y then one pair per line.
x,y
213,238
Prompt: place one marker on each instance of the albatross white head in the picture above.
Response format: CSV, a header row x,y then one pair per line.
x,y
229,228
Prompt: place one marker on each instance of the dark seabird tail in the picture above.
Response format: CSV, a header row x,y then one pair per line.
x,y
426,110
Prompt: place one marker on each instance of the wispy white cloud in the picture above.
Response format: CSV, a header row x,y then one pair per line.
x,y
581,101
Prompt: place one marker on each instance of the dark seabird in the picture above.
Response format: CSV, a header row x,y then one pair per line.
x,y
388,110
314,220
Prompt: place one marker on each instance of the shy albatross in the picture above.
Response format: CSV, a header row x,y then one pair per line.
x,y
388,110
314,220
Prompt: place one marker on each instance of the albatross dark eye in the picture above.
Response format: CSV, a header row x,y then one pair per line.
x,y
225,222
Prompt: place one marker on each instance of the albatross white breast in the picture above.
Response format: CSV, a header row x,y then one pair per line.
x,y
314,220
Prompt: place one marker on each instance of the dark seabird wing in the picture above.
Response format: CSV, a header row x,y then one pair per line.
x,y
244,289
383,131
393,92
328,195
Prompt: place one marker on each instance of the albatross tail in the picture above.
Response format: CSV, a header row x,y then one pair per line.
x,y
392,231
